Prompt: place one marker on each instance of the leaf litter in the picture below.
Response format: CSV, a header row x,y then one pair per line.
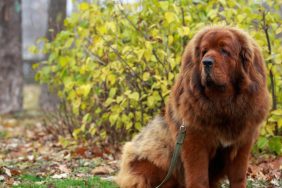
x,y
27,148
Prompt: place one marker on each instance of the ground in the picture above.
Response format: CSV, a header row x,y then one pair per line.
x,y
32,156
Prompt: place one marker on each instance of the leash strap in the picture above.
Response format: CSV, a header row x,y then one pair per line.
x,y
179,142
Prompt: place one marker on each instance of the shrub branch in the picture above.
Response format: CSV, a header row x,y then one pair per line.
x,y
265,28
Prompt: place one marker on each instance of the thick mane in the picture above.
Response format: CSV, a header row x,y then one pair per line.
x,y
189,102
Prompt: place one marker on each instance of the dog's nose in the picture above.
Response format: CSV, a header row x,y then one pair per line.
x,y
208,62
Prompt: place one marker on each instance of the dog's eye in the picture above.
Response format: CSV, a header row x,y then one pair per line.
x,y
224,52
204,52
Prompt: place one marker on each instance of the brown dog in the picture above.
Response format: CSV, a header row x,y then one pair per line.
x,y
221,96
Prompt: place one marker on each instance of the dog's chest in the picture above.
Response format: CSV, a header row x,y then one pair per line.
x,y
226,142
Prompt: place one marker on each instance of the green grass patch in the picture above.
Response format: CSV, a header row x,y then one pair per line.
x,y
30,181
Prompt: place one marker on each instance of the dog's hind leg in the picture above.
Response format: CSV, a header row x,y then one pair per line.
x,y
144,174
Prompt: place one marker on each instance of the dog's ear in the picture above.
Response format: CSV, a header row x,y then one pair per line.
x,y
252,61
246,54
191,54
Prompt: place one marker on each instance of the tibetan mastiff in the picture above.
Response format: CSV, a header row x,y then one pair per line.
x,y
221,98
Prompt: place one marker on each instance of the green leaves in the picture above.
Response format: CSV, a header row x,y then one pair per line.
x,y
275,144
271,144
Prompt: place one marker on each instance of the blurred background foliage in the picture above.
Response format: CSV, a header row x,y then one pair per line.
x,y
114,63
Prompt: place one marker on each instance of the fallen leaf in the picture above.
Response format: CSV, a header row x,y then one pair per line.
x,y
10,122
7,171
15,172
109,178
9,181
80,151
60,176
30,157
64,168
97,151
102,170
81,175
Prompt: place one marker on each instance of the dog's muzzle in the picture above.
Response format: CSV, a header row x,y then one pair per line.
x,y
208,63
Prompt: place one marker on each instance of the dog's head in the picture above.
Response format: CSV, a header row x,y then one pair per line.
x,y
221,59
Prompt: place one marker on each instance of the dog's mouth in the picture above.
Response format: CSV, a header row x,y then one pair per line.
x,y
209,82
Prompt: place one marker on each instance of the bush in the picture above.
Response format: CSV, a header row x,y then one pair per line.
x,y
114,64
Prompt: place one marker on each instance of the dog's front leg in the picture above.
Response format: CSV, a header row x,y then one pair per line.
x,y
237,168
195,157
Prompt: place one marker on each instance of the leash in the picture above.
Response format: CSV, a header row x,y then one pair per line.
x,y
179,142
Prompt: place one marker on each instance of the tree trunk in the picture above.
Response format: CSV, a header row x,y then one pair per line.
x,y
56,15
11,67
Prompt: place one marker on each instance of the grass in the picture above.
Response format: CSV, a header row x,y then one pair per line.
x,y
30,181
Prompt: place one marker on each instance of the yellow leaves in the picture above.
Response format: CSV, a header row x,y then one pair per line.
x,y
134,96
83,6
223,2
68,84
93,129
33,49
155,32
278,30
98,42
83,69
112,92
183,31
148,50
241,17
76,105
102,29
68,43
109,101
164,5
146,76
170,17
35,66
111,26
111,78
140,54
76,132
84,89
86,118
153,99
170,40
212,13
126,121
120,99
63,60
64,142
113,118
171,76
279,123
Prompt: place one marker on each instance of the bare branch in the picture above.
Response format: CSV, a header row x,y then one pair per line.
x,y
265,28
93,56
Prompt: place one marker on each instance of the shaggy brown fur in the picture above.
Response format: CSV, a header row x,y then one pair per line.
x,y
221,96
